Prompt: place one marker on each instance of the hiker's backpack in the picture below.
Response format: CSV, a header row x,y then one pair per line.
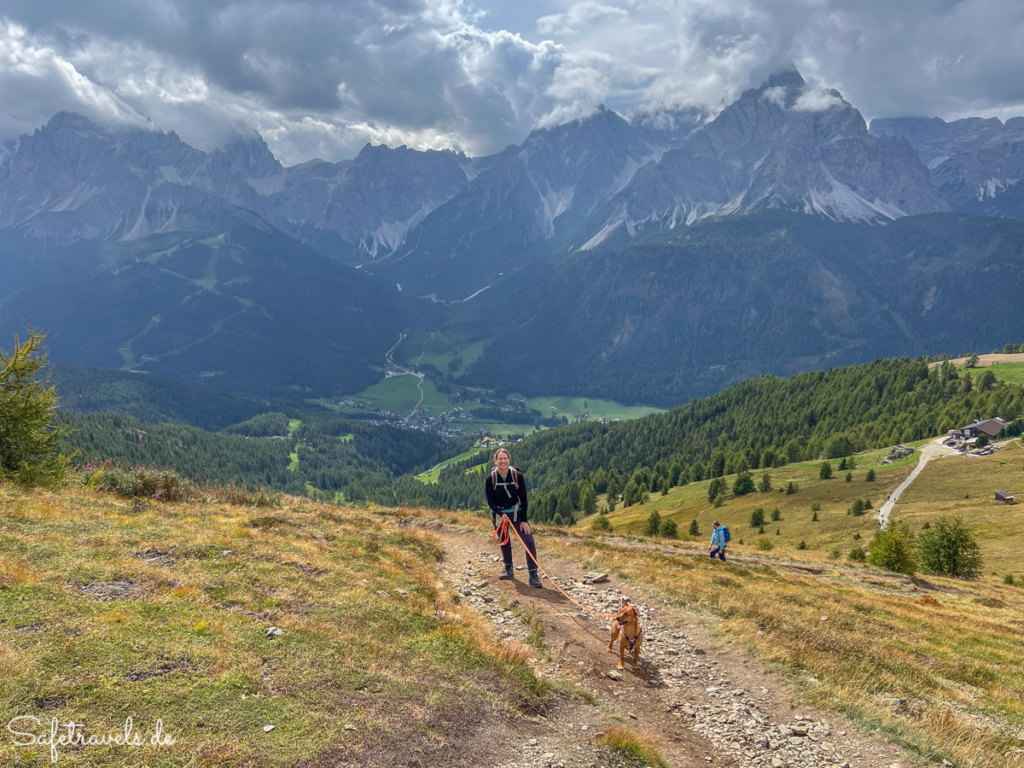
x,y
514,471
725,534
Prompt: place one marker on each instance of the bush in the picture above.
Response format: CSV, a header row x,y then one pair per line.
x,y
653,524
814,517
870,477
744,484
29,440
825,471
857,508
765,484
600,524
776,515
715,489
857,555
834,554
849,476
1008,579
139,482
669,529
719,500
802,544
982,441
791,488
949,548
694,528
757,517
765,544
893,549
815,506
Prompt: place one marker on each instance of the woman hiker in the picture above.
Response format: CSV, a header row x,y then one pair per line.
x,y
506,497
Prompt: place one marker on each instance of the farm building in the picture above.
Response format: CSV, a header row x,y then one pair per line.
x,y
1005,497
989,427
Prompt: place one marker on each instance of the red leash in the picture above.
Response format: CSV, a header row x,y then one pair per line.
x,y
502,537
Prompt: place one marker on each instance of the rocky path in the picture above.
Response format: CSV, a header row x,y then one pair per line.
x,y
699,701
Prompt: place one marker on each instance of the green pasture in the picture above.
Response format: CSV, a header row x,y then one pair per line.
x,y
435,471
598,409
470,353
1011,372
399,394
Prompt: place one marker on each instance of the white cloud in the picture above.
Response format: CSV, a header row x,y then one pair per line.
x,y
325,78
817,100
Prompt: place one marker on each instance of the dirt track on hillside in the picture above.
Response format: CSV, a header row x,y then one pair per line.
x,y
701,701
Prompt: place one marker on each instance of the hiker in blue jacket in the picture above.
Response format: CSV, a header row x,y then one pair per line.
x,y
718,541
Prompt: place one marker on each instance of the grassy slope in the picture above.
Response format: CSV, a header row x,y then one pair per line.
x,y
834,529
107,613
853,637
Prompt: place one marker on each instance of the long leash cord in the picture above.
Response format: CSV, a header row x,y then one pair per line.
x,y
502,537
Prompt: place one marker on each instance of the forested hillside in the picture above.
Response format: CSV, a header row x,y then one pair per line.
x,y
666,320
149,398
763,422
332,455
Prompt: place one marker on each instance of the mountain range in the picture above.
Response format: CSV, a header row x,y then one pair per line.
x,y
676,250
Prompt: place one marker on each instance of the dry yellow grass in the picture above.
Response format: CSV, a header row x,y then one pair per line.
x,y
108,612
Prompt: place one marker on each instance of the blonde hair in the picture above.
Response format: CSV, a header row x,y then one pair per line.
x,y
501,450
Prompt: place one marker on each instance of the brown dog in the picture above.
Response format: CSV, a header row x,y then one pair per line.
x,y
626,627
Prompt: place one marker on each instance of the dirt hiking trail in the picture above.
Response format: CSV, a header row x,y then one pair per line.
x,y
699,701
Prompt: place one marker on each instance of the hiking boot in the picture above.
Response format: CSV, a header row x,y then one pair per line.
x,y
507,574
535,580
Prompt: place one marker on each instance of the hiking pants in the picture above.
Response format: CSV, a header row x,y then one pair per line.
x,y
719,551
506,550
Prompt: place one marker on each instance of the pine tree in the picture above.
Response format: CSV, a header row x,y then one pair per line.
x,y
653,524
29,439
694,528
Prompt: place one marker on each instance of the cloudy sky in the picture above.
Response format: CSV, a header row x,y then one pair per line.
x,y
320,79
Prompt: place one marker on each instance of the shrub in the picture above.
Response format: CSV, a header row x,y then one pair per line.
x,y
802,544
653,524
949,549
834,554
815,506
814,517
760,529
825,470
715,489
791,488
1008,579
870,477
857,555
744,484
139,482
29,439
757,517
893,549
857,508
765,484
856,536
694,528
669,529
776,515
982,441
719,500
600,524
849,476
765,544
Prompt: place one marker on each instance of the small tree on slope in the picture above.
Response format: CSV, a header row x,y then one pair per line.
x,y
29,440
